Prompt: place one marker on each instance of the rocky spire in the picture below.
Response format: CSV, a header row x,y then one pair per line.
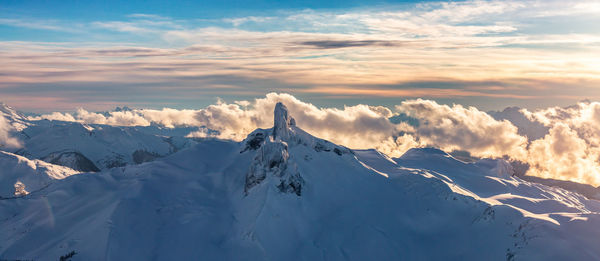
x,y
272,163
281,128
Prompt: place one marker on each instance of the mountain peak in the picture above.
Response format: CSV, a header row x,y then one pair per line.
x,y
273,159
14,117
282,122
427,151
285,130
124,108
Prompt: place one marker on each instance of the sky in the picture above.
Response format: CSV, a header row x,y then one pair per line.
x,y
63,55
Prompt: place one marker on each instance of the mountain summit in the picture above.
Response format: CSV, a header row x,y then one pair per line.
x,y
281,122
272,156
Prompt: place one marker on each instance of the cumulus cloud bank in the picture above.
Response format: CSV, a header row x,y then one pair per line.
x,y
359,126
571,148
568,147
459,128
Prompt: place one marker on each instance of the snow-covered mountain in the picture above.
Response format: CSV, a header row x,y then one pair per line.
x,y
92,147
16,119
282,194
21,176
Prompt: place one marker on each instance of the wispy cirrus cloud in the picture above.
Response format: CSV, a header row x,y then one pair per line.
x,y
51,25
242,20
335,44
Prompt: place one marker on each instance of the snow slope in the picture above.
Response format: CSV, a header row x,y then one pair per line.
x,y
16,119
283,194
31,175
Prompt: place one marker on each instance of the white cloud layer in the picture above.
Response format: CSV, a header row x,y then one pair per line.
x,y
6,139
570,150
459,128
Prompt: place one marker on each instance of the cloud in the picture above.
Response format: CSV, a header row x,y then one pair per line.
x,y
533,130
488,53
469,129
6,139
559,143
242,20
571,148
563,155
564,142
334,44
50,25
55,116
348,53
123,27
139,23
145,117
170,117
359,126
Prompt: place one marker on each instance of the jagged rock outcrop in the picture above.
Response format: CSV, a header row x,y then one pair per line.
x,y
20,189
272,157
281,125
272,160
71,159
141,156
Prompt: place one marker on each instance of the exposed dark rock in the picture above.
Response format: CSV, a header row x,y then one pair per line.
x,y
254,141
320,147
68,256
275,163
71,159
293,184
253,179
141,156
337,151
116,161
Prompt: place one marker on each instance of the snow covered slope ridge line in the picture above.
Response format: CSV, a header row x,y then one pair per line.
x,y
20,176
282,194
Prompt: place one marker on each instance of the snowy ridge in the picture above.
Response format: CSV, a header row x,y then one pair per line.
x,y
9,112
31,175
16,119
283,194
